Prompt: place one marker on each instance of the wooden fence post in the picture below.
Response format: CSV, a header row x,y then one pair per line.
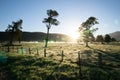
x,y
62,55
100,59
2,48
29,51
37,51
44,52
8,49
22,50
80,65
17,50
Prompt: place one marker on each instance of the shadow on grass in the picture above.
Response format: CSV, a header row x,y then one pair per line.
x,y
22,67
109,64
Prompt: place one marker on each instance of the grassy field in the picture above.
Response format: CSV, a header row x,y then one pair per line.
x,y
98,62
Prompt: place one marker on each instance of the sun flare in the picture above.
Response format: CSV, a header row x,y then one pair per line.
x,y
74,36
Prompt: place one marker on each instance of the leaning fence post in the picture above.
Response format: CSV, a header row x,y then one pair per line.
x,y
17,50
100,59
29,51
37,52
80,65
22,50
62,55
44,52
2,48
8,49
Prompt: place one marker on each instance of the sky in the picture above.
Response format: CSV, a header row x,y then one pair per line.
x,y
71,14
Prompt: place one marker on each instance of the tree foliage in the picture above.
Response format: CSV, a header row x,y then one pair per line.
x,y
87,30
100,38
107,38
113,39
49,21
15,31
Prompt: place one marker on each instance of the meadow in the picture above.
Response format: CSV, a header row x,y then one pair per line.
x,y
97,62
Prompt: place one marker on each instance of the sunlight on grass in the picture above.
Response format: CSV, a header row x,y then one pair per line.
x,y
30,66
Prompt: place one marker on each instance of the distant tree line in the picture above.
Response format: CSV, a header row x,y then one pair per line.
x,y
106,39
14,30
34,36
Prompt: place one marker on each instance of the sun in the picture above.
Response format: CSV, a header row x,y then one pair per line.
x,y
74,36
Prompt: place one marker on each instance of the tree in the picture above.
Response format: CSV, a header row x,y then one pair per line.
x,y
86,30
51,20
107,38
113,39
100,38
15,31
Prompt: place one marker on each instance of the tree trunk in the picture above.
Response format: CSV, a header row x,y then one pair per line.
x,y
19,35
47,37
86,44
11,38
19,40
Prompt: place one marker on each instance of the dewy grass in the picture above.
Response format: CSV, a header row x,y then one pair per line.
x,y
37,67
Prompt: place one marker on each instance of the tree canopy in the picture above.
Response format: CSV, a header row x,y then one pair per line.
x,y
107,38
15,30
49,21
86,30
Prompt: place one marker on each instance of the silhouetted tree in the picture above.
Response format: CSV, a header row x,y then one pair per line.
x,y
113,39
92,39
51,20
15,31
107,38
100,38
86,29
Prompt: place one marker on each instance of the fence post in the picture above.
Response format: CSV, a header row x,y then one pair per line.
x,y
8,49
29,51
12,48
80,65
17,50
22,50
100,59
44,52
2,49
62,55
37,52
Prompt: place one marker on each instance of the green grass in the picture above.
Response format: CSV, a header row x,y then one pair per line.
x,y
36,67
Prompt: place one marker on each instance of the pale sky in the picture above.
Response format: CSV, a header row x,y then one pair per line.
x,y
71,14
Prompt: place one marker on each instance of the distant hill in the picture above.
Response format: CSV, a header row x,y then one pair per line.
x,y
115,35
36,36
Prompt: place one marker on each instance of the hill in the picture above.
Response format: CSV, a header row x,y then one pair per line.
x,y
115,35
36,36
